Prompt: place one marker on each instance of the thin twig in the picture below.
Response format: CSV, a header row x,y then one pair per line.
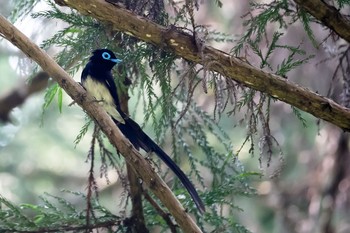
x,y
161,212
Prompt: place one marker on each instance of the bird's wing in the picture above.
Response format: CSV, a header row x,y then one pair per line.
x,y
109,81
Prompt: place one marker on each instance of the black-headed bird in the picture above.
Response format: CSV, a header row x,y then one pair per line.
x,y
97,79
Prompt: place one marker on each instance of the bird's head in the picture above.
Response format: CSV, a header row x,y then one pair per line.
x,y
104,58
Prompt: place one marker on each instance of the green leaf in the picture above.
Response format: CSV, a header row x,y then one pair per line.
x,y
298,114
342,3
82,132
49,95
306,20
60,99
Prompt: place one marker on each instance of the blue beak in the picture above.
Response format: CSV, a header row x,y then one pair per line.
x,y
116,60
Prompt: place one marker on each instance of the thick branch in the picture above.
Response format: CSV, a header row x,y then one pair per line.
x,y
79,95
328,15
183,44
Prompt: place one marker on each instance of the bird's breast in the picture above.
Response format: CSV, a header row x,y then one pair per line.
x,y
98,90
103,96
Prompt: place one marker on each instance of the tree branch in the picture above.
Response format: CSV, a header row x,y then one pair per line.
x,y
20,93
328,15
79,95
185,46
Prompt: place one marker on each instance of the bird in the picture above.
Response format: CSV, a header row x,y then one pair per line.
x,y
97,79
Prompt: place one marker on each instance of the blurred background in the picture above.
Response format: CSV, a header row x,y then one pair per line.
x,y
298,192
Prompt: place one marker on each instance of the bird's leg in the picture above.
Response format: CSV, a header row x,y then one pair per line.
x,y
73,102
95,100
99,101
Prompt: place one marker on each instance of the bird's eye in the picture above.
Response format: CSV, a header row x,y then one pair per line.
x,y
106,56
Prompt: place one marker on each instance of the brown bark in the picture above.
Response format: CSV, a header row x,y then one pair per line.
x,y
328,15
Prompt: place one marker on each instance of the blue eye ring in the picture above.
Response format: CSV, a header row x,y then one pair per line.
x,y
106,56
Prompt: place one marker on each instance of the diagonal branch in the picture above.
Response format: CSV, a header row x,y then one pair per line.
x,y
185,46
79,95
328,15
20,93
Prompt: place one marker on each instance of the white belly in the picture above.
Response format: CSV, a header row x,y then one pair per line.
x,y
103,96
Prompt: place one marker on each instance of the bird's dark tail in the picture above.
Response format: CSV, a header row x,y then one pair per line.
x,y
140,139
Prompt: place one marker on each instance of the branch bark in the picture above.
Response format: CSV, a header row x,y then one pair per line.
x,y
328,15
79,95
213,59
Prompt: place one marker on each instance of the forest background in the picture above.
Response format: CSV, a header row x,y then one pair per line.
x,y
268,166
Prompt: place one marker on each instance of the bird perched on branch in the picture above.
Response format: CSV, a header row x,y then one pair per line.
x,y
97,79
